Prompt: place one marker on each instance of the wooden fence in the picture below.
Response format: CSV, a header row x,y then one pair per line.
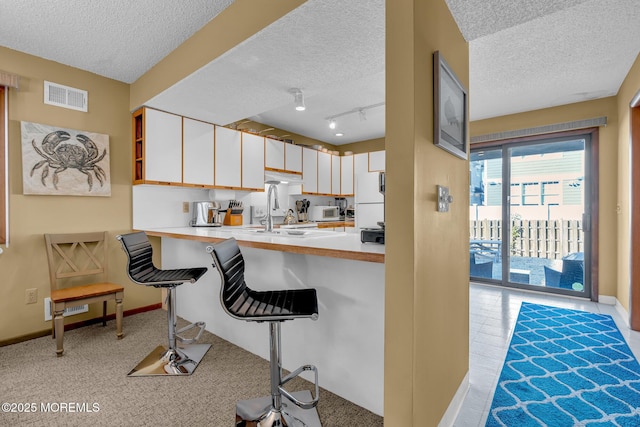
x,y
536,238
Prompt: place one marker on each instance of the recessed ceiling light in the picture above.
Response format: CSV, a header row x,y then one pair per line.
x,y
339,134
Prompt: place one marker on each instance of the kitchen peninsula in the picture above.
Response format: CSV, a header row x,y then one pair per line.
x,y
346,343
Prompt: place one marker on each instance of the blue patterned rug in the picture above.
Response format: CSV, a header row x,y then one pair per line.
x,y
566,368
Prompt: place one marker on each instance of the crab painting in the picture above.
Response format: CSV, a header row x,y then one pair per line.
x,y
61,156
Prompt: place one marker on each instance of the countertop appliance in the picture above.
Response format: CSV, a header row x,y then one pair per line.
x,y
372,235
341,202
206,214
324,213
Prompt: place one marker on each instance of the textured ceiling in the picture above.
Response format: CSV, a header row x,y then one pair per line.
x,y
574,54
120,39
524,55
332,50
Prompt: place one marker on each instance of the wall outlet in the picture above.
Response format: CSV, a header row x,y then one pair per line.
x,y
31,296
185,207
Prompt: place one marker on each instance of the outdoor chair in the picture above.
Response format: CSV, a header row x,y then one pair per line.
x,y
483,269
572,272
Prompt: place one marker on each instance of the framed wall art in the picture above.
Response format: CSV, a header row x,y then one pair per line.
x,y
59,161
450,106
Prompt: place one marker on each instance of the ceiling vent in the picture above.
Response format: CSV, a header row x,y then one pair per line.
x,y
65,96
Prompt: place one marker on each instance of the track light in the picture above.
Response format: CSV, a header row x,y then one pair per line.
x,y
361,111
298,99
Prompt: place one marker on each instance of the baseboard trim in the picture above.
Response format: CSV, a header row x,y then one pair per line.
x,y
624,314
77,325
455,405
607,299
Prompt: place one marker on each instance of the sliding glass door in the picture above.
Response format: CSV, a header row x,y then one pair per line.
x,y
528,224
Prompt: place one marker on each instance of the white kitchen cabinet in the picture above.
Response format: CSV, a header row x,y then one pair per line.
x,y
228,157
335,175
274,154
376,161
293,158
324,173
346,175
309,170
198,151
162,147
253,158
360,163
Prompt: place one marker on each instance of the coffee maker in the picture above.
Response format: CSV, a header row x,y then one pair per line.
x,y
206,214
341,203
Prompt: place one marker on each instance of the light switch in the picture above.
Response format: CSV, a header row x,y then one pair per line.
x,y
444,199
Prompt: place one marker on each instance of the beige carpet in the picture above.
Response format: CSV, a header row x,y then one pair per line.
x,y
93,371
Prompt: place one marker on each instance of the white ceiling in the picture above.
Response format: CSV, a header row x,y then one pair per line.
x,y
524,55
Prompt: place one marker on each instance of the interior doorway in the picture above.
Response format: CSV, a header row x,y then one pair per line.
x,y
532,204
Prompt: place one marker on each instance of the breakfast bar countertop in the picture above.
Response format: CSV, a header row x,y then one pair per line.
x,y
321,243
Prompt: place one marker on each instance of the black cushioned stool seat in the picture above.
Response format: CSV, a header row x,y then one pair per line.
x,y
175,359
243,303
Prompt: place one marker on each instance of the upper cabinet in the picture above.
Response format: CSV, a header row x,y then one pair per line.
x,y
360,163
335,175
376,161
309,171
282,156
174,150
274,154
228,156
198,149
324,173
138,146
293,158
346,176
253,162
157,147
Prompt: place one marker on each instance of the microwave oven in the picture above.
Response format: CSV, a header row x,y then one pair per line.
x,y
324,213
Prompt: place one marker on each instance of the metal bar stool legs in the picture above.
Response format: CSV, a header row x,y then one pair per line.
x,y
279,412
182,356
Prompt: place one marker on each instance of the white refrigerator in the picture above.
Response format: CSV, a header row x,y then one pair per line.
x,y
369,201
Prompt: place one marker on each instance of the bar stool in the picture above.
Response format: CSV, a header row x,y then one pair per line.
x,y
175,359
241,302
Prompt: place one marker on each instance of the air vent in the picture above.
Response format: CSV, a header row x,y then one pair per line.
x,y
65,96
69,311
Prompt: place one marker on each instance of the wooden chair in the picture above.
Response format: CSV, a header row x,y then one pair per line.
x,y
73,259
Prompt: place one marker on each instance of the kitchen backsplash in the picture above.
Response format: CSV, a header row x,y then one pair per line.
x,y
157,206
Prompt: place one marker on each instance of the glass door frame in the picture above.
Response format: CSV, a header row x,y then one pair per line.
x,y
591,204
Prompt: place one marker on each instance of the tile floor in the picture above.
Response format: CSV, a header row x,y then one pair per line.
x,y
492,316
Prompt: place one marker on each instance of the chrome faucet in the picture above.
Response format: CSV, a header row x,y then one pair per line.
x,y
273,188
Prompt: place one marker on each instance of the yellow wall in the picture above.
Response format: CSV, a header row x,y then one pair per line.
x,y
363,146
426,263
628,90
23,264
608,137
248,125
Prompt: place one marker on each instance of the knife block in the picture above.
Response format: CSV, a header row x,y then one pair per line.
x,y
232,219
